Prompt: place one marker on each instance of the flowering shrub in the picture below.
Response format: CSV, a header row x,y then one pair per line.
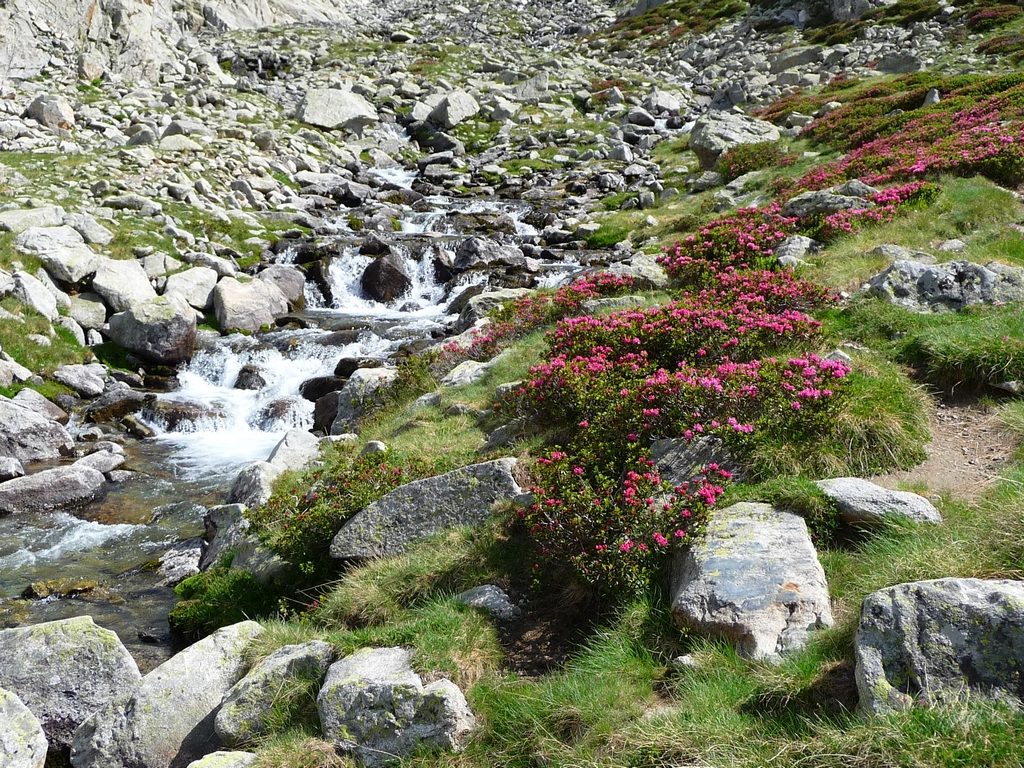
x,y
517,318
993,16
744,239
615,535
889,204
977,128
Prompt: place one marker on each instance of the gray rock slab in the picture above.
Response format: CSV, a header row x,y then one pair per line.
x,y
753,578
465,496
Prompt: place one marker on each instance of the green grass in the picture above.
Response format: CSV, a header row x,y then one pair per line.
x,y
15,341
973,209
882,424
953,351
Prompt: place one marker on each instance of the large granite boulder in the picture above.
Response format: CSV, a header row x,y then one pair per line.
x,y
122,284
334,108
243,717
28,435
228,531
465,496
22,741
863,503
454,108
374,706
166,721
930,642
952,286
717,132
64,671
753,578
195,285
161,330
247,306
822,203
58,488
87,380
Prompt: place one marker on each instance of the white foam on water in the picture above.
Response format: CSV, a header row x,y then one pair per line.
x,y
63,536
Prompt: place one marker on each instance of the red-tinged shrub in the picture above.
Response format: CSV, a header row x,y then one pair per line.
x,y
994,16
615,534
744,239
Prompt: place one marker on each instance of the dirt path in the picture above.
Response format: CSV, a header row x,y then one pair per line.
x,y
970,446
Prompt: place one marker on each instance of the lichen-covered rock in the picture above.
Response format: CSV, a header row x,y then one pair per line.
x,y
64,671
167,721
334,108
754,578
491,599
22,741
242,717
951,287
862,503
375,706
465,496
929,642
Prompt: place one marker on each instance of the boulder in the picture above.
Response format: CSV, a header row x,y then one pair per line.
x,y
10,468
289,280
58,488
359,394
332,108
22,741
122,284
376,707
195,285
106,459
935,642
385,279
161,330
167,719
821,203
27,434
53,112
64,671
478,306
753,578
474,252
453,109
465,496
254,484
863,503
37,403
228,531
225,760
952,286
682,461
717,132
296,449
88,310
86,380
20,219
490,599
243,717
34,294
116,403
247,306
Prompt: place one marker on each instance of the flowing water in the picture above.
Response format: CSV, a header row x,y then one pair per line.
x,y
117,541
